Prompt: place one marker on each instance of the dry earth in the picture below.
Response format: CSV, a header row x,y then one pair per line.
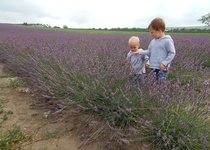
x,y
46,133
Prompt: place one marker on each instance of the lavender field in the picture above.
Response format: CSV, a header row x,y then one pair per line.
x,y
90,72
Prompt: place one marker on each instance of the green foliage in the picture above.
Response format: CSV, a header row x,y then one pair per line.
x,y
56,27
4,114
46,114
65,26
206,63
179,127
36,25
25,23
122,107
10,139
205,19
49,134
7,76
185,30
15,83
118,30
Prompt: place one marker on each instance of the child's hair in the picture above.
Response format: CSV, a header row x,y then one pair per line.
x,y
157,24
134,40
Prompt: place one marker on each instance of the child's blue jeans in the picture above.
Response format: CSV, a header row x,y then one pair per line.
x,y
136,77
160,74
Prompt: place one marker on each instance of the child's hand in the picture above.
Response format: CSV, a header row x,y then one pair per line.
x,y
146,66
136,52
162,66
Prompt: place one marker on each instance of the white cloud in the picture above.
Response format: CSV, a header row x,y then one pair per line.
x,y
103,14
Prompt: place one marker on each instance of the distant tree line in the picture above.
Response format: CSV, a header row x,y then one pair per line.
x,y
191,30
36,25
205,19
172,30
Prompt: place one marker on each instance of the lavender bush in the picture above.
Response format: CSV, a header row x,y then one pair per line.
x,y
90,70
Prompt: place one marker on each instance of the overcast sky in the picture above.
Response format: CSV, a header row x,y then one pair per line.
x,y
103,13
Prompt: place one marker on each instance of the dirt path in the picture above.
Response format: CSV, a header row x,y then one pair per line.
x,y
30,117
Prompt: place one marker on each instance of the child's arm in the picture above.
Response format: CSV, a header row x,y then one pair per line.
x,y
171,54
147,62
142,52
147,59
129,56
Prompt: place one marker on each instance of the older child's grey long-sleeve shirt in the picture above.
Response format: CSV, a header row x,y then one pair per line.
x,y
160,50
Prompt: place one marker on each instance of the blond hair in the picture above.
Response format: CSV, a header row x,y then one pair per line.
x,y
134,40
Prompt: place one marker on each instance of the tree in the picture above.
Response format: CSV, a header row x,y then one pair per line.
x,y
25,23
205,19
65,27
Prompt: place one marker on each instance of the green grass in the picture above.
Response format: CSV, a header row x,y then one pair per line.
x,y
91,31
7,76
16,83
110,31
49,134
12,138
4,114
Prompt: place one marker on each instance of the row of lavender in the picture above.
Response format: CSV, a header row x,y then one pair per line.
x,y
90,70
